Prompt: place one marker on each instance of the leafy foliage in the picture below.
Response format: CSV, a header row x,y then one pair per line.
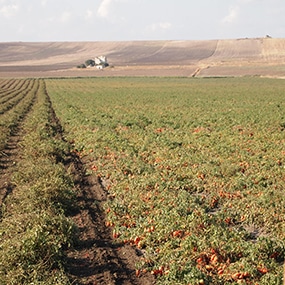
x,y
90,62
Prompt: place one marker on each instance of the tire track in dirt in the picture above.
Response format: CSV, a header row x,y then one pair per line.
x,y
96,258
196,72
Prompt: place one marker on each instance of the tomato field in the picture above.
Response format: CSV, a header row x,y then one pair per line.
x,y
194,170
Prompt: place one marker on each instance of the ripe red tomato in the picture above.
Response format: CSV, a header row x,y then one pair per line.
x,y
263,270
116,234
137,240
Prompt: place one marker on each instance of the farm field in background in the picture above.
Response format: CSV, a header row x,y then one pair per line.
x,y
194,170
199,58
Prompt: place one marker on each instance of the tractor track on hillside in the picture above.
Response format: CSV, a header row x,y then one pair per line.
x,y
96,258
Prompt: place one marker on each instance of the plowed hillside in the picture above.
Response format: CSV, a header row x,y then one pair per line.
x,y
238,49
121,53
273,49
179,58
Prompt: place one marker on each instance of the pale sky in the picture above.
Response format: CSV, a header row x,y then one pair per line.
x,y
123,20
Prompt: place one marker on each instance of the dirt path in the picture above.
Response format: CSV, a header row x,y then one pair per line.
x,y
98,258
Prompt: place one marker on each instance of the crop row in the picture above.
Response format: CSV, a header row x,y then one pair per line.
x,y
34,229
12,111
6,85
12,95
194,169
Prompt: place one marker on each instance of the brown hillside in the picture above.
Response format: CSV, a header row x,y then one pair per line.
x,y
260,56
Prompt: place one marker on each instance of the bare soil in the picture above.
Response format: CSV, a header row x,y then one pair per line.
x,y
257,56
97,258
